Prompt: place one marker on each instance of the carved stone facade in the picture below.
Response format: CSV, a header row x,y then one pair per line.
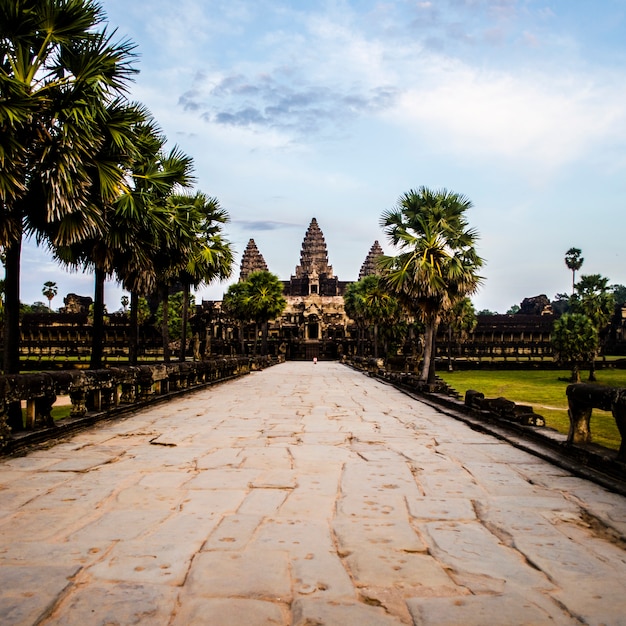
x,y
315,308
314,276
369,266
76,304
251,261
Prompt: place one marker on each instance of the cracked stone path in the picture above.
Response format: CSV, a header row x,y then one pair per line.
x,y
308,495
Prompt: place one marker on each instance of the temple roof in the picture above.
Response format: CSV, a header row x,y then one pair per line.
x,y
251,261
369,267
314,255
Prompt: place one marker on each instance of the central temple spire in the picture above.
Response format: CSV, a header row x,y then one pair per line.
x,y
314,255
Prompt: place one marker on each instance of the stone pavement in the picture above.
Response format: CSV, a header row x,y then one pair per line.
x,y
303,494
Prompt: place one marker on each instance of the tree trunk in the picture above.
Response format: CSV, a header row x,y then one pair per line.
x,y
133,334
242,338
592,370
165,331
183,332
11,355
428,349
432,373
264,333
375,341
256,338
97,334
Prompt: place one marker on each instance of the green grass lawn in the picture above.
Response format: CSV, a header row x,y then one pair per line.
x,y
545,392
59,412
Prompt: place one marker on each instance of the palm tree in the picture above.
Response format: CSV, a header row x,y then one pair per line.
x,y
236,304
211,257
142,214
575,342
437,264
50,290
381,308
266,301
593,297
149,225
109,172
57,73
354,306
574,262
368,302
461,321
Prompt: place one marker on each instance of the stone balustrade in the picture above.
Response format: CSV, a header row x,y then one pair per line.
x,y
108,390
502,408
393,374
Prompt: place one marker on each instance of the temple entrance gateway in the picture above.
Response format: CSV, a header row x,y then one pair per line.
x,y
313,328
312,350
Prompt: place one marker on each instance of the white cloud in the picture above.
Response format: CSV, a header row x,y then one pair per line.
x,y
531,117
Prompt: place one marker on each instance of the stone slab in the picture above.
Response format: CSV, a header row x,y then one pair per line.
x,y
309,611
234,532
479,610
391,533
230,611
123,603
417,574
253,574
477,559
29,592
441,509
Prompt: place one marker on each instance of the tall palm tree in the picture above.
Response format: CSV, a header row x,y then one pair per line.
x,y
574,262
354,306
109,171
593,297
211,256
437,264
50,290
369,303
266,301
154,226
382,309
236,304
461,321
59,68
575,342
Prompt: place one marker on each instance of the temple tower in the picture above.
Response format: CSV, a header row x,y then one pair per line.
x,y
251,261
314,276
314,255
369,267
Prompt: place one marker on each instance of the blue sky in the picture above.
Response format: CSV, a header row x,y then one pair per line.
x,y
294,110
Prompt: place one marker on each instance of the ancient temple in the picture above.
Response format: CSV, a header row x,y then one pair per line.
x,y
315,307
369,267
314,275
314,323
251,261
